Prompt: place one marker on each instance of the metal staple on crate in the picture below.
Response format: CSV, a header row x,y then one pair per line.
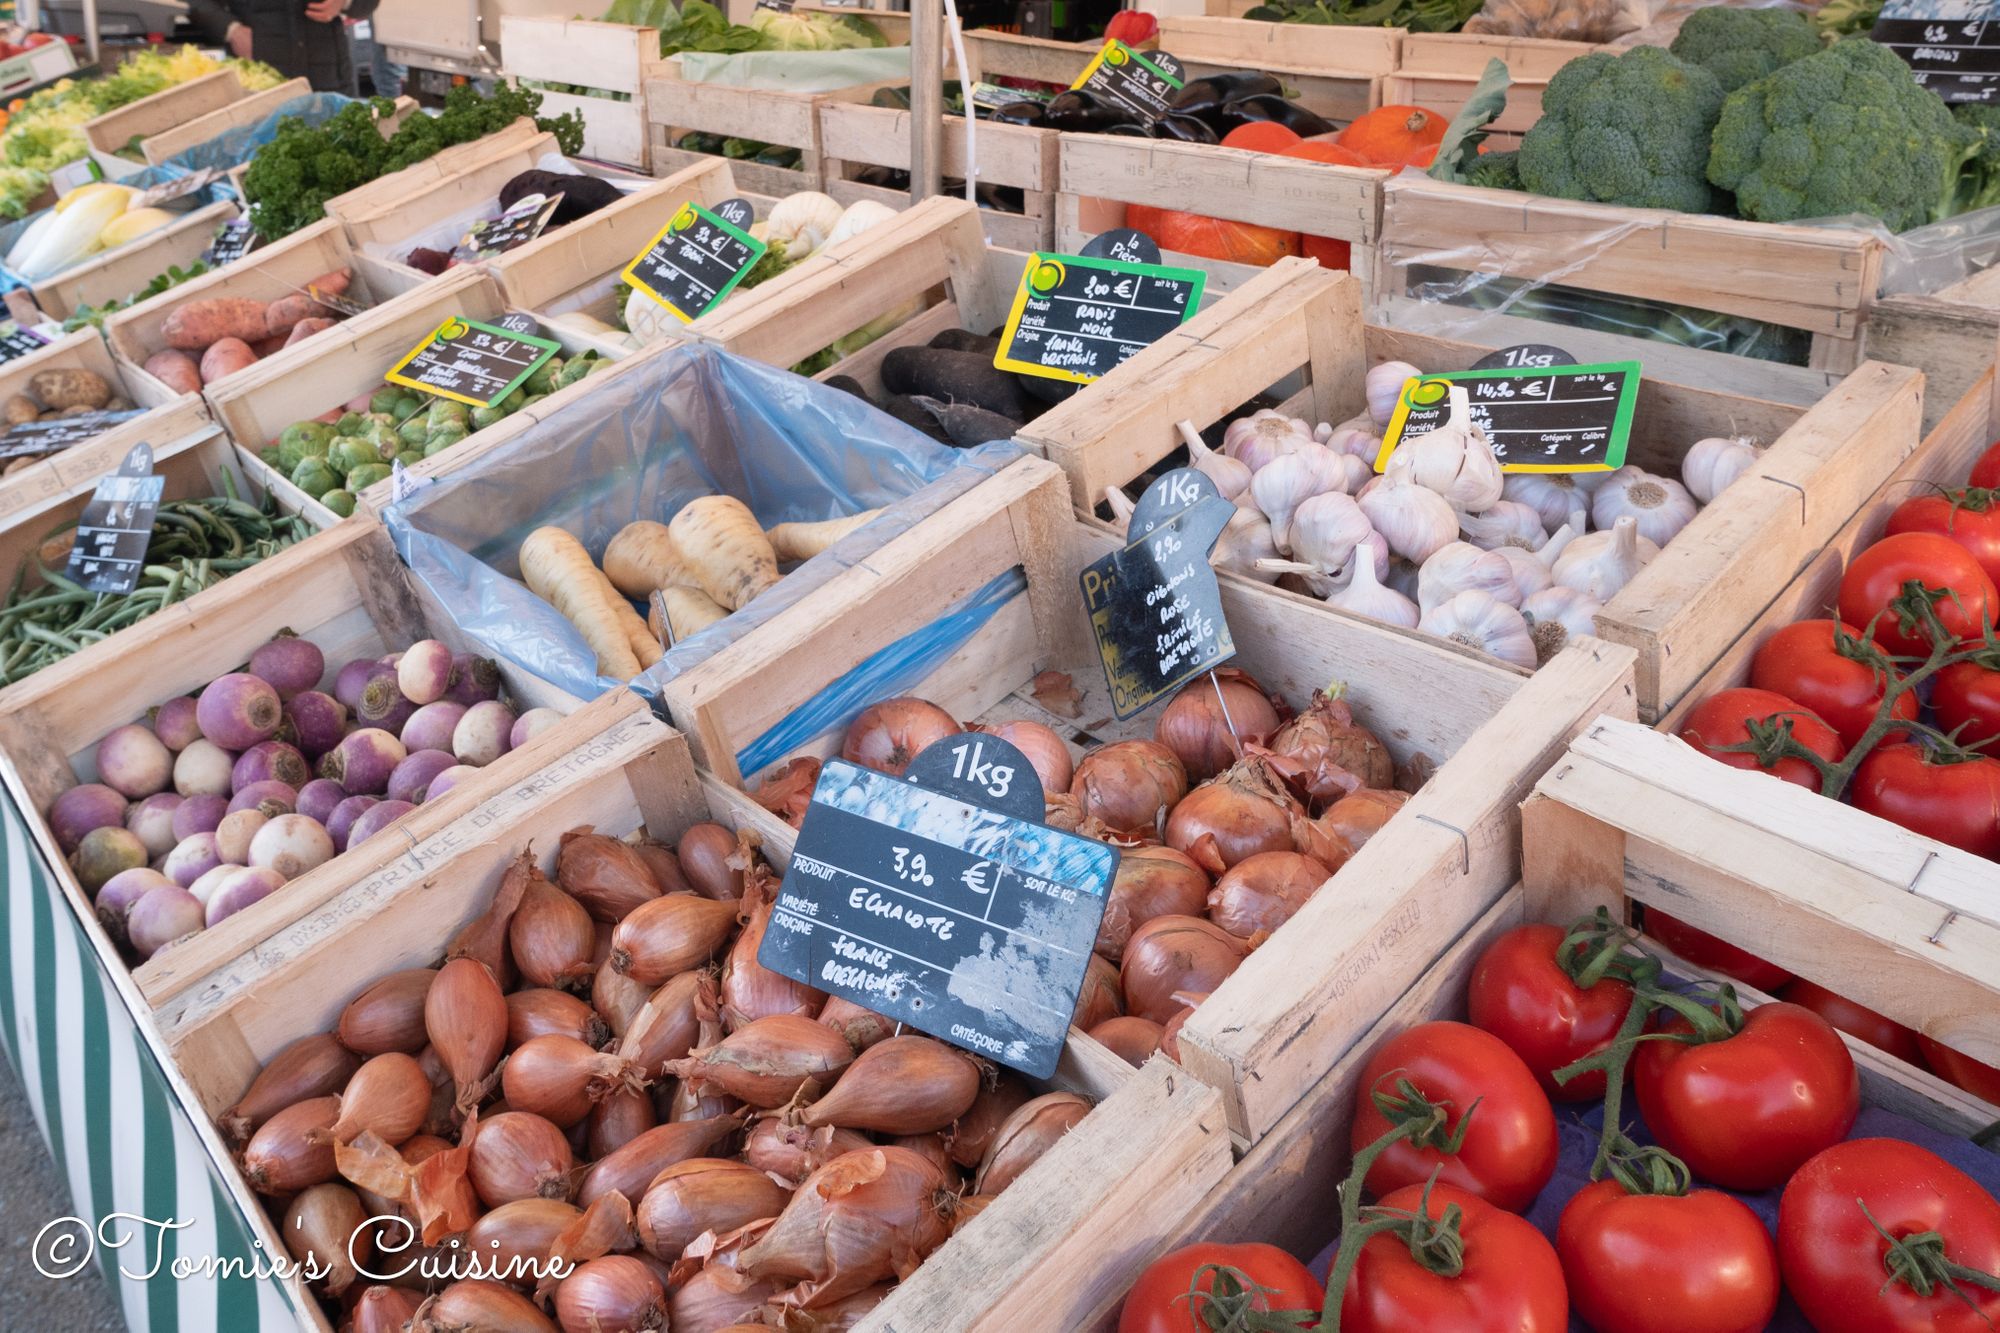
x,y
1464,843
1802,495
1943,925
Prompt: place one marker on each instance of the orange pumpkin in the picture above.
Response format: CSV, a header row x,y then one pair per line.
x,y
1330,253
1213,238
1262,136
1389,136
1319,150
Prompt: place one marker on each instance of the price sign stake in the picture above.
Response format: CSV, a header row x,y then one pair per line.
x,y
698,258
473,363
1079,317
1561,419
117,526
516,227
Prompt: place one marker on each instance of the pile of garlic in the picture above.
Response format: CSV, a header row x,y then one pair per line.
x,y
1514,565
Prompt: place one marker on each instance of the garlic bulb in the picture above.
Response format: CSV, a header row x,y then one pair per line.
x,y
1478,621
1325,530
1288,481
1507,523
1384,385
1660,506
1715,462
1601,563
1454,460
1402,577
1462,567
1243,544
1414,521
1557,615
1263,436
1551,494
1361,444
1560,539
1530,574
1355,473
1230,475
1365,595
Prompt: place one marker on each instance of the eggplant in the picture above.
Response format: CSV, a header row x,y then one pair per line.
x,y
1025,112
1271,107
965,340
955,377
1078,112
1185,127
1135,130
1209,94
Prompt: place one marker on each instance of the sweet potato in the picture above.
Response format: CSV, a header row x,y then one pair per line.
x,y
263,347
334,283
175,369
306,328
225,358
286,312
202,324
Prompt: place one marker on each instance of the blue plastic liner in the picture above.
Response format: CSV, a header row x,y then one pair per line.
x,y
673,423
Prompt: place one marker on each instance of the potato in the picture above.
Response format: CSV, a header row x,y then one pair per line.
x,y
202,324
176,370
20,410
225,358
78,411
119,403
70,388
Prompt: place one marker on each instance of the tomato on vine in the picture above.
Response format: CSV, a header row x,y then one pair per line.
x,y
1437,1258
1204,1287
1969,516
1833,671
1966,699
1986,472
1554,997
1944,793
1874,588
1759,720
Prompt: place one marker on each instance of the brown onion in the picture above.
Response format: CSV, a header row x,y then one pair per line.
x,y
315,1066
711,858
1358,817
704,1194
614,1294
518,1155
542,1012
1100,997
1043,748
765,1063
389,1015
750,990
633,1167
1029,1132
1175,953
294,1148
1151,881
1333,754
790,1152
466,1017
850,1312
661,861
1245,811
518,1237
560,1078
608,877
688,1102
485,937
1195,728
667,1026
976,1129
1170,1035
384,1309
389,1095
861,1219
617,1120
715,1298
444,1118
862,1027
1131,1039
551,937
320,1230
1127,785
478,1306
617,997
671,934
905,1085
1262,892
931,1146
888,735
969,1207
787,791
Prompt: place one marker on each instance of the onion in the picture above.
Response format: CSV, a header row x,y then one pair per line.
x,y
660,860
476,1304
385,1309
716,1298
1175,953
1151,881
616,998
765,1063
293,1150
862,1027
791,1152
1100,996
667,1026
1194,727
888,735
1043,748
1335,754
389,1096
465,1016
1170,1035
969,1207
484,938
315,1066
617,1120
905,1085
1244,811
515,1235
1131,1039
541,1012
670,934
324,1229
608,877
1129,784
786,792
704,1194
389,1015
1357,817
711,861
861,1219
551,936
1029,1132
750,990
1262,892
519,1155
976,1129
929,1146
560,1079
633,1167
612,1294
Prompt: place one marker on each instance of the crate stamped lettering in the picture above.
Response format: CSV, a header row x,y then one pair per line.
x,y
698,258
472,363
1572,419
117,526
1080,317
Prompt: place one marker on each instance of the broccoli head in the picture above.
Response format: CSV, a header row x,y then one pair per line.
x,y
1980,185
1849,130
1495,171
1739,45
1629,129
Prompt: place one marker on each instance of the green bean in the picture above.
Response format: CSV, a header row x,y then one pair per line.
x,y
49,636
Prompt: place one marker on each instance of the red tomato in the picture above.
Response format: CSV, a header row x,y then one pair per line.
x,y
1724,719
1656,1263
1509,1151
1705,950
1961,1070
1159,1301
1132,26
1876,577
1986,472
1833,1257
1745,1111
1522,995
1967,695
1884,1034
1958,804
1969,517
1803,662
1511,1281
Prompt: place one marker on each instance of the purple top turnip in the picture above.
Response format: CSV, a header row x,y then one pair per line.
x,y
384,705
105,852
354,677
203,769
160,918
289,664
271,797
192,858
291,845
448,779
233,835
238,710
481,735
241,889
152,822
430,727
123,889
530,725
363,761
377,817
413,776
318,721
199,814
474,679
423,673
212,879
341,822
133,761
270,761
174,723
318,798
86,806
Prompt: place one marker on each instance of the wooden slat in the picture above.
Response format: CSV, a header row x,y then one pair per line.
x,y
163,110
198,130
617,57
1948,336
1352,50
859,133
1287,193
764,114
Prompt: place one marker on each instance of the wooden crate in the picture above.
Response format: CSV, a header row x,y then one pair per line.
x,y
1152,1147
194,131
110,132
1949,333
675,106
1817,279
1438,70
1683,611
614,57
114,275
282,268
419,180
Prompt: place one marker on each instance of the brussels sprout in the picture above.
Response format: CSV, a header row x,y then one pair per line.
x,y
367,475
348,454
410,457
447,412
302,440
314,476
544,377
350,423
413,431
385,398
340,502
482,417
270,455
406,407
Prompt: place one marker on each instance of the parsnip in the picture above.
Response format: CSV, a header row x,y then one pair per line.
x,y
726,551
644,646
557,569
642,557
689,610
803,541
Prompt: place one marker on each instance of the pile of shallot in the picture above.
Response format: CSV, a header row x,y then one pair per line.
x,y
1512,564
584,1123
212,803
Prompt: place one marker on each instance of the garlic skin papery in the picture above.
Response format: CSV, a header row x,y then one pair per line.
x,y
1454,460
1552,494
1507,523
1712,464
1530,574
1557,615
1230,475
1325,531
1601,563
1360,444
1243,544
1263,436
1384,385
1463,567
1364,595
1660,506
1560,539
1355,473
1415,522
1280,486
1481,622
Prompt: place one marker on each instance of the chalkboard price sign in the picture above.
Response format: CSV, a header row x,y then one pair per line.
x,y
515,227
473,363
1078,318
20,342
46,437
943,902
1155,607
233,240
117,526
1142,83
698,258
1563,419
1952,46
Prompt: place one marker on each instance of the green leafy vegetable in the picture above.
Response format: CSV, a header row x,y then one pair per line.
x,y
1415,15
1459,151
1630,129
